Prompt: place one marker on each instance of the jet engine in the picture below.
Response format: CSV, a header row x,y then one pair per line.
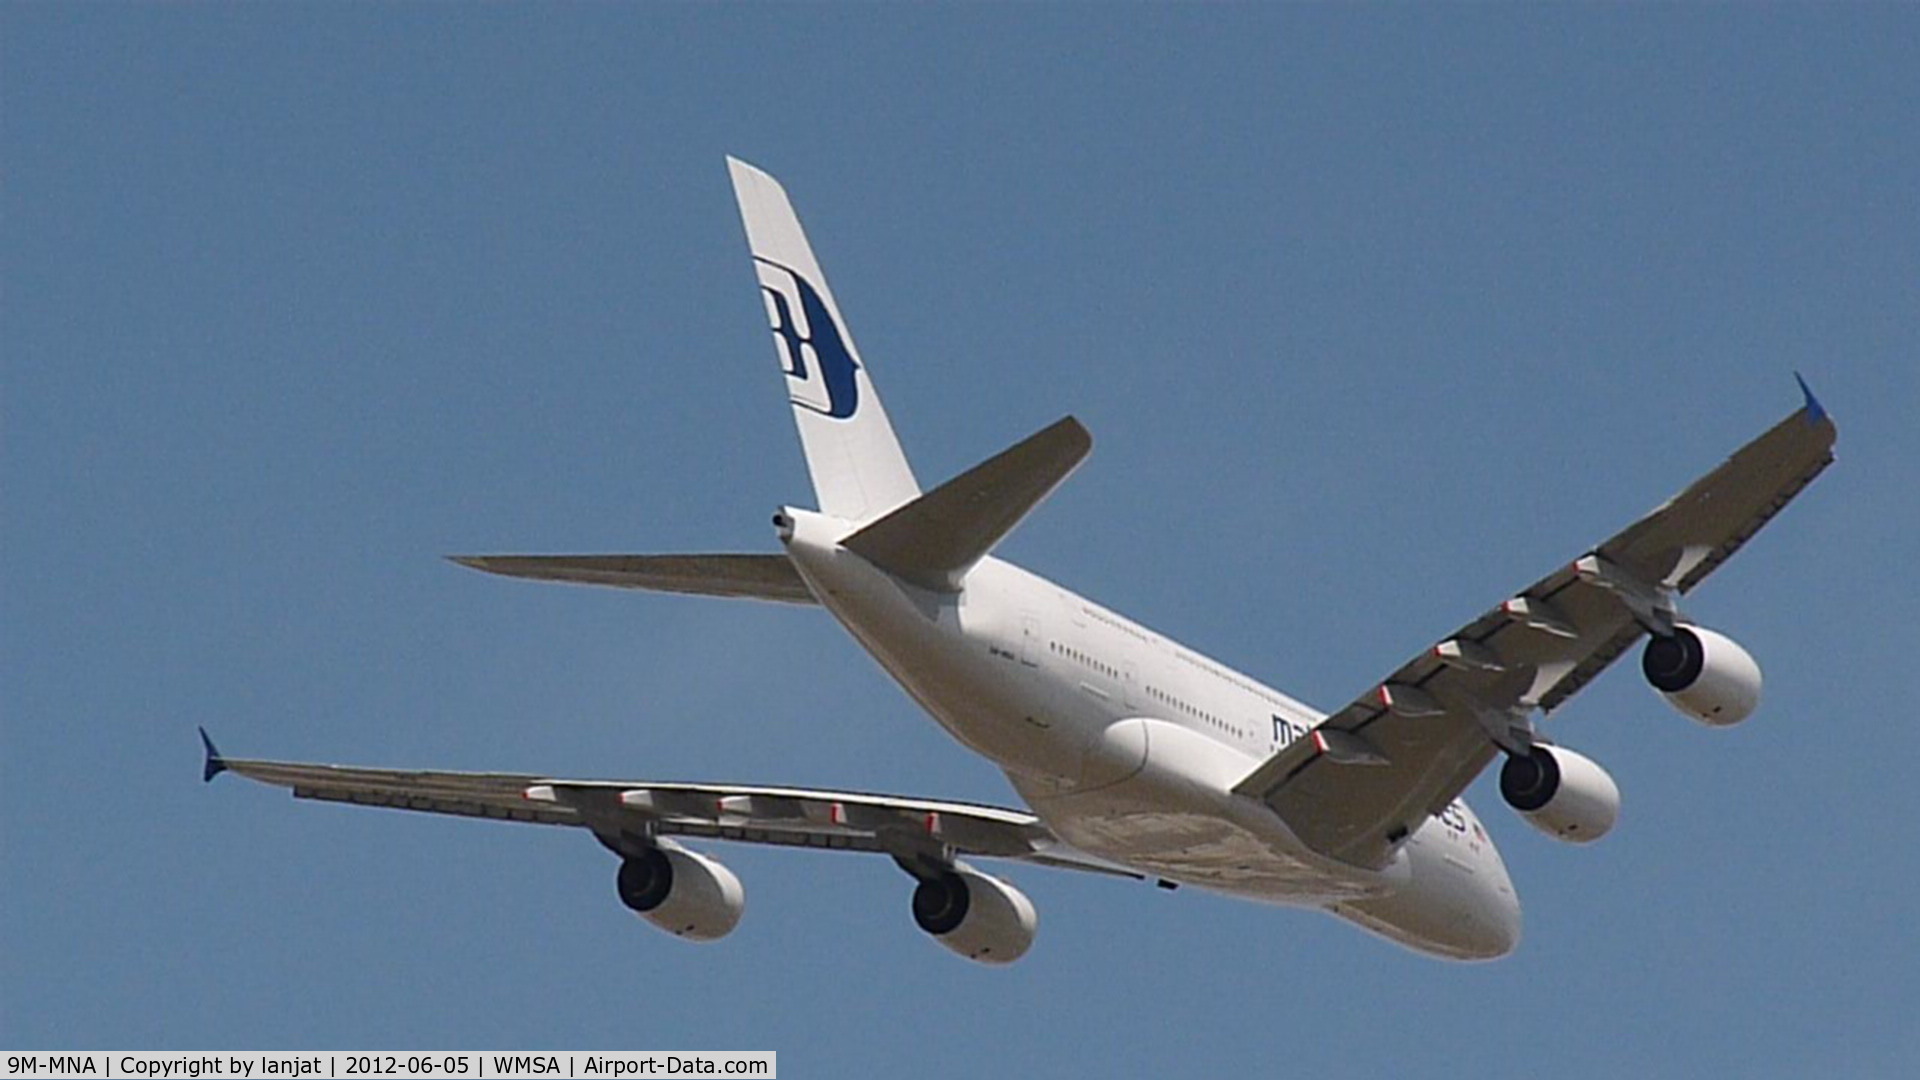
x,y
980,917
1561,793
682,892
1703,674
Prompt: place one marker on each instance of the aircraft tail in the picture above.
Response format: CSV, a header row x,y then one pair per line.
x,y
859,472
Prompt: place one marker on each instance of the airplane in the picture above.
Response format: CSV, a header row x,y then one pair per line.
x,y
1135,756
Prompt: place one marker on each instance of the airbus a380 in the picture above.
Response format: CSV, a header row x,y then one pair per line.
x,y
1135,756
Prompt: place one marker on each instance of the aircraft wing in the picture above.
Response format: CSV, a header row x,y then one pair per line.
x,y
621,811
1371,773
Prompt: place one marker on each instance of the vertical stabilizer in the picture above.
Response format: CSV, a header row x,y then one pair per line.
x,y
859,472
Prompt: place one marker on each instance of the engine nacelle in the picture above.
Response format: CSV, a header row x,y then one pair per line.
x,y
682,892
1703,674
980,917
1561,793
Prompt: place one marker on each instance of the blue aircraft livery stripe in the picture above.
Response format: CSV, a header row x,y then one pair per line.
x,y
787,331
835,360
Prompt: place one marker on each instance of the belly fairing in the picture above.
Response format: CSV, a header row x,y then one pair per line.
x,y
1175,816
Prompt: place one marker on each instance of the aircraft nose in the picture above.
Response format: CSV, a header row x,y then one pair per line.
x,y
1503,929
1489,928
1499,908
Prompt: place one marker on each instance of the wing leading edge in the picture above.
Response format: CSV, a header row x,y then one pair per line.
x,y
1371,773
901,826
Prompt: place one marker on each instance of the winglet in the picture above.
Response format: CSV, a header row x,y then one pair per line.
x,y
1815,411
215,764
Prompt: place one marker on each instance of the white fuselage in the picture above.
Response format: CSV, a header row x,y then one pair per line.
x,y
1128,745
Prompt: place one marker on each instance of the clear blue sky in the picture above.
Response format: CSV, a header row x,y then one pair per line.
x,y
1376,315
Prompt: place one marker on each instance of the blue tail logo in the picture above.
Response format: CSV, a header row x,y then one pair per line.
x,y
822,340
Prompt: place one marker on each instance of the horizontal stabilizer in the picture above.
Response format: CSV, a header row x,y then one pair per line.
x,y
754,577
935,539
